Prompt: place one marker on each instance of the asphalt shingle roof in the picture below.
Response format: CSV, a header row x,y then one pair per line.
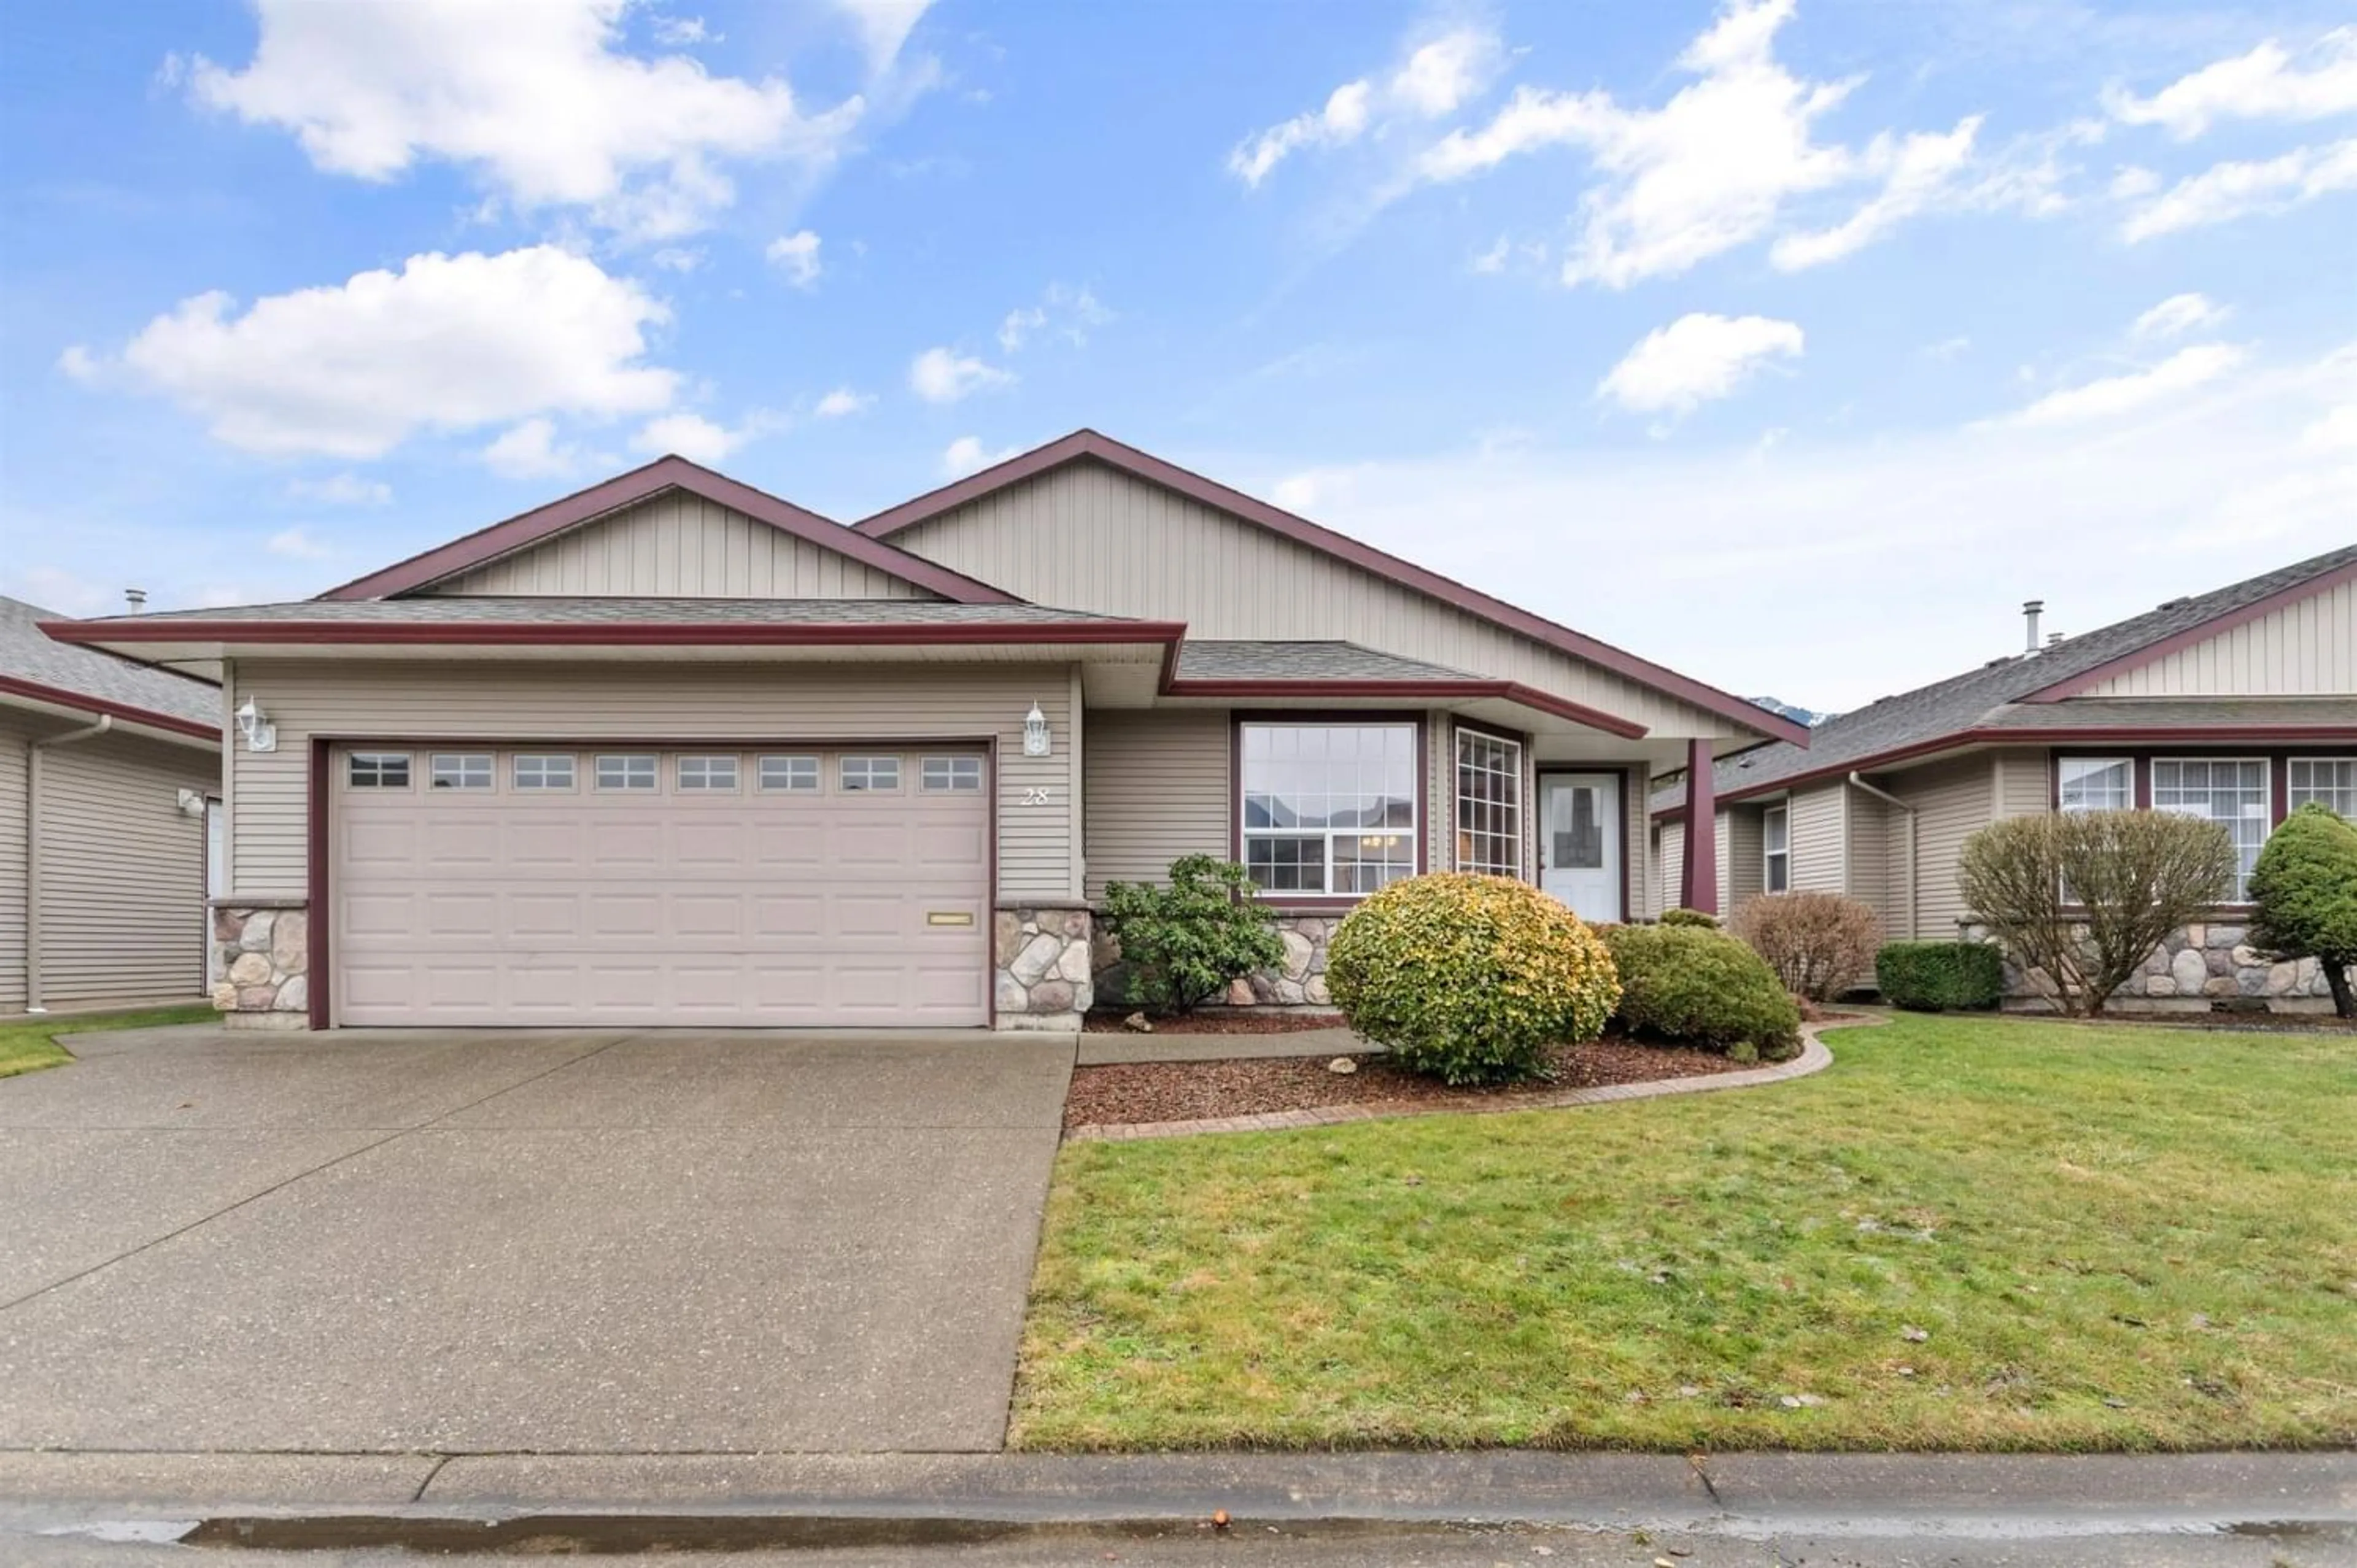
x,y
537,610
1220,660
28,653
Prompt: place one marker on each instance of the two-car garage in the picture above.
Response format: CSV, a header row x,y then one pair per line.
x,y
479,885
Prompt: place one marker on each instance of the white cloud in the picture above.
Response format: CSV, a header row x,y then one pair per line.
x,y
1434,79
2264,84
2229,190
448,342
532,451
677,258
694,437
340,490
883,25
942,375
2115,396
797,253
679,32
2336,432
538,99
1716,167
79,364
2178,314
967,455
297,545
1947,348
1695,360
843,401
2133,181
1071,314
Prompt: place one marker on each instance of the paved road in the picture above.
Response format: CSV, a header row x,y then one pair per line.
x,y
456,1240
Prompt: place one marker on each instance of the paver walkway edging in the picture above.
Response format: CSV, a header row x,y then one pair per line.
x,y
1813,1057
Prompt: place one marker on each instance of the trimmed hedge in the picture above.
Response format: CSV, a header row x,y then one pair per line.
x,y
1697,918
1691,986
1927,977
1470,978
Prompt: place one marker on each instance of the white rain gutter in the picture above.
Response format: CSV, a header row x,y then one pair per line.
x,y
1913,900
33,754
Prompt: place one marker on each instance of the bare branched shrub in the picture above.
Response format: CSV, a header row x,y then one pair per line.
x,y
2086,896
1819,944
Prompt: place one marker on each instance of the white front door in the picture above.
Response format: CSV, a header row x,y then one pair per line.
x,y
1579,842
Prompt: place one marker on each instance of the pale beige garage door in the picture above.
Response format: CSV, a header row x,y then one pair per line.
x,y
539,886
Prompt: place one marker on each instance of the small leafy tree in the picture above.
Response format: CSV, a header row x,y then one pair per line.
x,y
1188,942
1819,944
2306,888
2086,896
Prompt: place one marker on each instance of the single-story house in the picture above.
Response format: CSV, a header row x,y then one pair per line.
x,y
107,768
2237,705
671,751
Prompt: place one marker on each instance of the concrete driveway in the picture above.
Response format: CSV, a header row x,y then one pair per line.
x,y
560,1241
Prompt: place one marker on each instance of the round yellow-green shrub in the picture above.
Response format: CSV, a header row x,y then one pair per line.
x,y
1470,978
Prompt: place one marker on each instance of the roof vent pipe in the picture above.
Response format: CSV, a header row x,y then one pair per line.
x,y
2030,610
136,599
2053,640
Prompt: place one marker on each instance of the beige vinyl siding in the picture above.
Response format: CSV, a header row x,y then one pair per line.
x,y
1637,872
1742,869
682,545
1953,800
750,705
1673,866
14,735
2307,648
1087,537
2024,782
1158,788
1819,839
1872,829
122,872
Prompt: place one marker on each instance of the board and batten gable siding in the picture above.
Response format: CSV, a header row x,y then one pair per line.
x,y
2307,648
678,545
1157,787
122,872
756,706
1087,537
1818,836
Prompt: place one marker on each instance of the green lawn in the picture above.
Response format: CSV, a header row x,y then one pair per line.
x,y
28,1046
2108,1238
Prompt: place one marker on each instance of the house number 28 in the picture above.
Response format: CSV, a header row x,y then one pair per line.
x,y
1037,795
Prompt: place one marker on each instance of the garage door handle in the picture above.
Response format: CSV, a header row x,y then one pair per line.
x,y
949,918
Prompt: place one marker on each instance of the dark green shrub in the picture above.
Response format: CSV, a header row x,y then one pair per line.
x,y
1694,987
1690,918
1185,943
1929,976
1470,978
2306,888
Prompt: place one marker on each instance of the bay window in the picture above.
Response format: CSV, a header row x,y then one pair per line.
x,y
2230,791
1489,804
1328,810
2095,783
2330,781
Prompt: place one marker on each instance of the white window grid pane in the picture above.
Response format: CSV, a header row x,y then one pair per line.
x,y
792,775
378,771
956,775
2330,781
700,774
2096,783
460,770
539,770
1311,793
2230,791
868,774
1489,804
1775,829
626,771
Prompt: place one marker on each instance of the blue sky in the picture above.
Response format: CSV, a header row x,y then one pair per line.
x,y
1793,344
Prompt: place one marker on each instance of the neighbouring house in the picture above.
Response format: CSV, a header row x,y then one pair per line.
x,y
107,770
675,751
2237,705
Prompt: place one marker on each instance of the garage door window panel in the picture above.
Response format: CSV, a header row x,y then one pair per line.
x,y
541,772
869,775
460,770
378,771
699,775
951,775
789,776
627,773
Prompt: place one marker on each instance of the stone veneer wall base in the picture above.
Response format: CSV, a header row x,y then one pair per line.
x,y
1043,977
263,953
2206,967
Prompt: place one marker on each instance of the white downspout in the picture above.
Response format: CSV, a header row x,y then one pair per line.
x,y
32,754
1885,795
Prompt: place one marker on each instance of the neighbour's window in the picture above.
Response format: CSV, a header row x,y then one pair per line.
x,y
625,771
2230,792
461,770
378,771
1329,809
2095,783
1489,804
956,775
533,771
1776,847
2330,781
706,775
793,775
868,774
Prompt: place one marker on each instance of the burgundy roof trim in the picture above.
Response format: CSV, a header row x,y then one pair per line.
x,y
641,634
472,550
82,703
2070,686
1090,444
1457,691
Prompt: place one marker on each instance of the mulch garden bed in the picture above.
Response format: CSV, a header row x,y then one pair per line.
x,y
1243,1021
1188,1091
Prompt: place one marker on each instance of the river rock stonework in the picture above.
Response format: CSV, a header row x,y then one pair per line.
x,y
265,958
2203,968
1043,976
1297,981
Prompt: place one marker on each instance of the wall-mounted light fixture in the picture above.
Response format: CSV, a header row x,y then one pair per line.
x,y
260,734
1035,733
191,801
